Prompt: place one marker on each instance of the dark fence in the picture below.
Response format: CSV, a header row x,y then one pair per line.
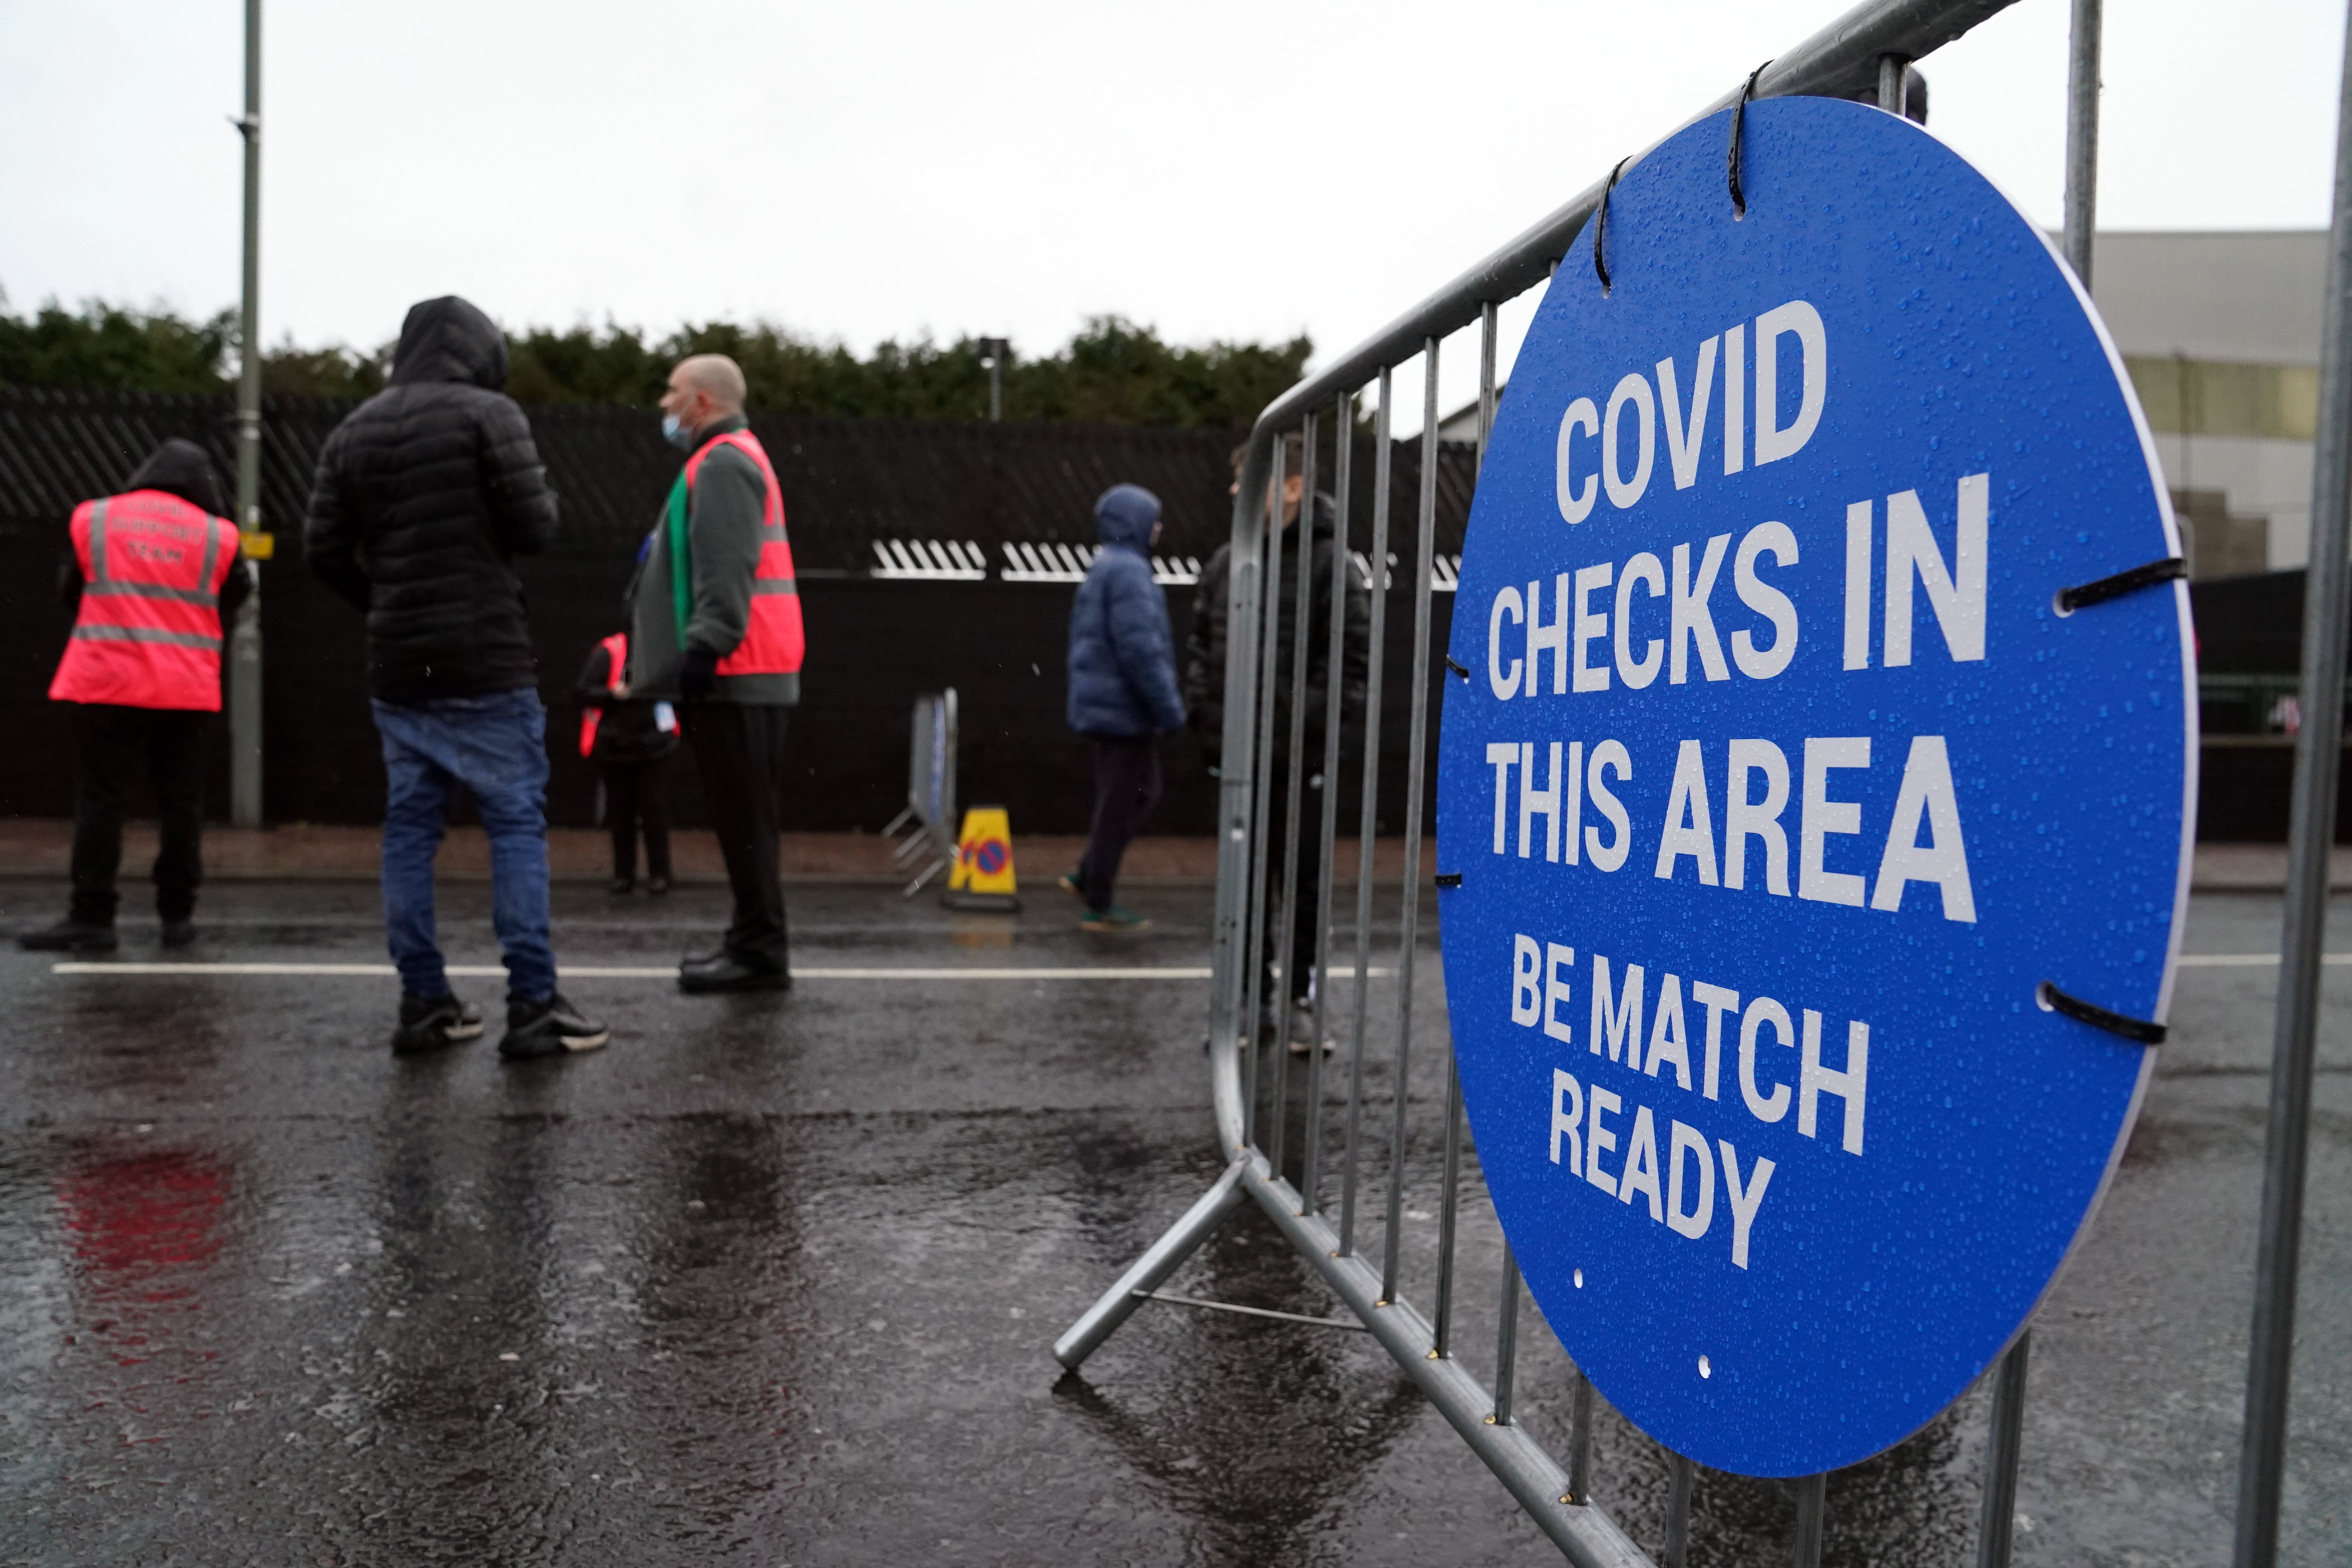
x,y
874,642
2250,649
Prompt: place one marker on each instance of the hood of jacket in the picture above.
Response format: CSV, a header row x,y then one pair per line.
x,y
450,338
1126,514
180,467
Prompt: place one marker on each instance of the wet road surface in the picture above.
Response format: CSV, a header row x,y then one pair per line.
x,y
773,1279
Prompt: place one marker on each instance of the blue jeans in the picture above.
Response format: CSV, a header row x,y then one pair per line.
x,y
495,745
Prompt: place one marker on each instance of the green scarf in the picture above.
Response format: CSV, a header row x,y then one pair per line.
x,y
681,559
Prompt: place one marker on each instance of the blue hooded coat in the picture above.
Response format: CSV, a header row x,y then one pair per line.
x,y
1122,653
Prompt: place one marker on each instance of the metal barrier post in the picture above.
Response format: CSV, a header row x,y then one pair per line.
x,y
2007,1442
1367,820
2317,757
1286,941
1233,998
1262,795
1416,764
1998,1517
1450,1198
1343,427
1813,1504
1507,1340
1681,1480
2083,138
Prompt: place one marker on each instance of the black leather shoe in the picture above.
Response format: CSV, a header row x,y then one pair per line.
x,y
621,886
179,934
69,936
732,971
656,887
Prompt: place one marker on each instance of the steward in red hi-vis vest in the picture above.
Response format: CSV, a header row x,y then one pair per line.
x,y
773,641
150,575
616,669
148,634
715,621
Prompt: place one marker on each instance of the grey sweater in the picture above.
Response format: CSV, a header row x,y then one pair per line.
x,y
723,520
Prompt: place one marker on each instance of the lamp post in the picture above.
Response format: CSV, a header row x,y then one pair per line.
x,y
993,353
244,639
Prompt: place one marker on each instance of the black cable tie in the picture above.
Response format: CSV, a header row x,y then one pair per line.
x,y
2098,1017
1455,668
1600,227
1449,879
1739,119
2165,571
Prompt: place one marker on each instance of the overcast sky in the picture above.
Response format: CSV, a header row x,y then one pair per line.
x,y
879,170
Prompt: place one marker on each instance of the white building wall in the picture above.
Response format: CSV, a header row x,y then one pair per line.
x,y
2262,478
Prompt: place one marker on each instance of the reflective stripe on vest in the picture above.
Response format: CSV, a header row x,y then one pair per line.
x,y
617,651
773,638
147,632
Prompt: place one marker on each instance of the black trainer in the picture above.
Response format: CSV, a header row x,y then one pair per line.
x,y
434,1023
549,1028
69,936
179,934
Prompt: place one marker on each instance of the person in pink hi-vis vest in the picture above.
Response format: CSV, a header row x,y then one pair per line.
x,y
150,574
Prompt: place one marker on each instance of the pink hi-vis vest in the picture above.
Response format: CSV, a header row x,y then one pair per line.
x,y
616,647
774,641
149,632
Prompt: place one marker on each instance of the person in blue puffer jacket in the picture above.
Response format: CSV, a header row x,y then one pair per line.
x,y
1122,693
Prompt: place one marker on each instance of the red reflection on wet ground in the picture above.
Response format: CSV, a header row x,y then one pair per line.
x,y
142,1229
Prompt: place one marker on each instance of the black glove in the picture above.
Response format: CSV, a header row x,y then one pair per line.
x,y
697,680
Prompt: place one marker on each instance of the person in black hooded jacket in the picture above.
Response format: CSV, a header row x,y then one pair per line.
x,y
115,745
424,496
1325,692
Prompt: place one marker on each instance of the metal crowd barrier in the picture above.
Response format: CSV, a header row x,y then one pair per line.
x,y
1872,44
930,815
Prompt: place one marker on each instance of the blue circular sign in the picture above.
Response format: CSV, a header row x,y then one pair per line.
x,y
1782,790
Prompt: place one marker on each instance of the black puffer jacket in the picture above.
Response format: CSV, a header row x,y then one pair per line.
x,y
423,498
1205,648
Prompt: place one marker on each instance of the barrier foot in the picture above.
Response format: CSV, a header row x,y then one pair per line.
x,y
1150,1271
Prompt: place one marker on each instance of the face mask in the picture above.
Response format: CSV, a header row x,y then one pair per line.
x,y
676,434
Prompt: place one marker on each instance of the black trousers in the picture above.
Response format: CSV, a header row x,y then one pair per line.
x,y
739,749
1298,966
635,797
115,750
1126,787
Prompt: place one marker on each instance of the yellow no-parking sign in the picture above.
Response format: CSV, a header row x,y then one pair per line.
x,y
983,878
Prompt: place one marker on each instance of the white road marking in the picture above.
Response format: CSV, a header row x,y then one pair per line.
x,y
612,972
669,972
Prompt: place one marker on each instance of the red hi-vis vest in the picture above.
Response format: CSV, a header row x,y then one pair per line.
x,y
149,633
616,649
773,641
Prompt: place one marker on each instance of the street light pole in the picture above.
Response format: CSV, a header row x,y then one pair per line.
x,y
244,639
992,354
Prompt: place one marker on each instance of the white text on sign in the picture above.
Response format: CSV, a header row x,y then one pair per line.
x,y
1677,1180
1923,839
